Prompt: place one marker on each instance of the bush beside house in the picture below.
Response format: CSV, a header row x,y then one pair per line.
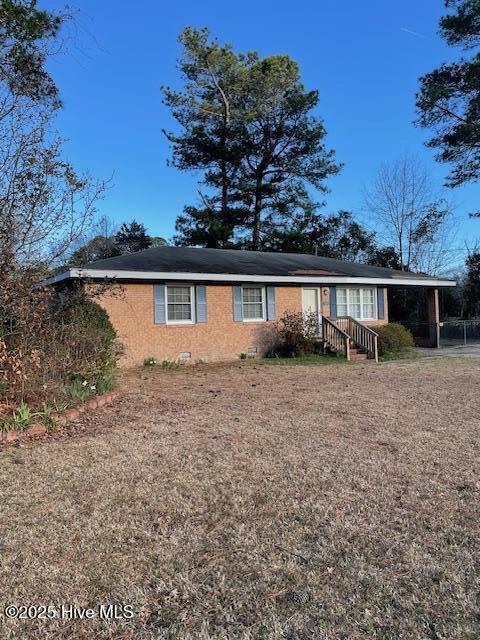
x,y
294,334
394,339
56,349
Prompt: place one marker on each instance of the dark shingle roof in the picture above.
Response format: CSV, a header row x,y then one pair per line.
x,y
228,261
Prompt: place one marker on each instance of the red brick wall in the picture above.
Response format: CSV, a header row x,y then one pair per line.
x,y
219,339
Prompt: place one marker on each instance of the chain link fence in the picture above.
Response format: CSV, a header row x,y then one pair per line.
x,y
455,332
449,333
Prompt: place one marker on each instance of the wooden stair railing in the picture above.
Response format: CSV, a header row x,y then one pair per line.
x,y
335,337
361,335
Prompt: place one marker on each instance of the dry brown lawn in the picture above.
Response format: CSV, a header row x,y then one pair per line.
x,y
256,501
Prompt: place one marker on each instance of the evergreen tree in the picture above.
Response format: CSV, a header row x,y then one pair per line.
x,y
207,112
283,146
28,35
449,97
131,237
98,248
335,236
384,257
472,286
247,123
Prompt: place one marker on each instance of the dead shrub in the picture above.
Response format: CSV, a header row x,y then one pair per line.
x,y
294,334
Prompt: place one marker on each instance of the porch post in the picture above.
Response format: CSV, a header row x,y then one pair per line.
x,y
433,315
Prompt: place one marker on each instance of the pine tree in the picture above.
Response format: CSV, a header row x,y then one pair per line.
x,y
449,97
132,237
247,124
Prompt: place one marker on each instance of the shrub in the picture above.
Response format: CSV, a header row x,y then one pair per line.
x,y
49,341
149,362
295,334
170,365
393,338
92,351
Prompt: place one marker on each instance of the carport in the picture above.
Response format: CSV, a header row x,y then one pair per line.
x,y
426,333
435,332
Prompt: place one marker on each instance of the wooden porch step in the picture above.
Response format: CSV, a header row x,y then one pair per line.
x,y
358,356
345,334
357,350
356,353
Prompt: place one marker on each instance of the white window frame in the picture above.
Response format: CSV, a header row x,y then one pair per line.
x,y
264,304
192,303
375,302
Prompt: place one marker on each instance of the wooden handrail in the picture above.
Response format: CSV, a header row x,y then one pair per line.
x,y
336,337
357,322
361,335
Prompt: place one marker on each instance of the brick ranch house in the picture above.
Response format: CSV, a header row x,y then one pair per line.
x,y
215,304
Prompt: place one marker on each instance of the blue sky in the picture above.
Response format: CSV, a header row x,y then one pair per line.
x,y
364,57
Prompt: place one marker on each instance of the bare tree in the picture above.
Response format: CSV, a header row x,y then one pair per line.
x,y
411,215
44,204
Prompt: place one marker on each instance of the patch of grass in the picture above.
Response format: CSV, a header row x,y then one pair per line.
x,y
80,390
171,365
105,384
60,405
44,414
19,419
312,358
165,365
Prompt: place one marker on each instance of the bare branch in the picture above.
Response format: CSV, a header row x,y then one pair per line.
x,y
410,214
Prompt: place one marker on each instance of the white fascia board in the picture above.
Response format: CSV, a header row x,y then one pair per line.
x,y
232,277
61,276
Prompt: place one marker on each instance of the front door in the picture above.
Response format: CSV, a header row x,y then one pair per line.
x,y
311,303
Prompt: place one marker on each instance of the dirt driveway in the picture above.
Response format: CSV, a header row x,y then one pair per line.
x,y
256,501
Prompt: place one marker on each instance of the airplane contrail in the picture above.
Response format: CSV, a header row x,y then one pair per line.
x,y
413,33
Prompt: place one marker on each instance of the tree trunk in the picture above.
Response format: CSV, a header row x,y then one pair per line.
x,y
257,214
223,163
400,251
224,202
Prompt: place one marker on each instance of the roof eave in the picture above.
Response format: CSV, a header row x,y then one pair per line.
x,y
118,274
